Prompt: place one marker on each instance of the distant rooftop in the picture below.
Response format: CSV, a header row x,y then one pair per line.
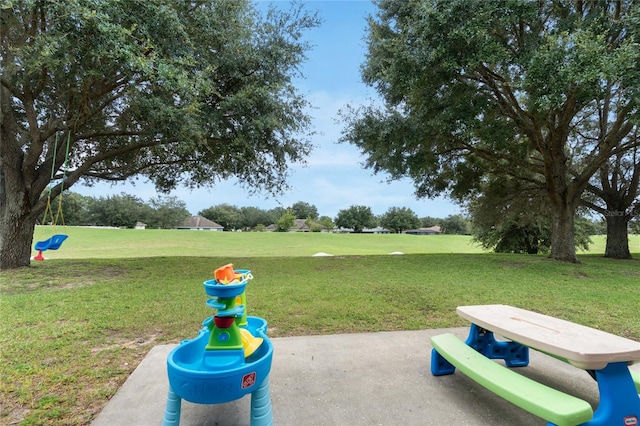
x,y
199,222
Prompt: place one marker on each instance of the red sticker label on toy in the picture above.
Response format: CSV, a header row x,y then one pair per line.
x,y
630,421
248,380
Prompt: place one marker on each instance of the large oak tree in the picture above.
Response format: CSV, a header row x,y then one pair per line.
x,y
356,218
179,92
614,192
476,88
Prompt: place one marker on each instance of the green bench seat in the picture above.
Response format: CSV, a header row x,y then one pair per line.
x,y
550,404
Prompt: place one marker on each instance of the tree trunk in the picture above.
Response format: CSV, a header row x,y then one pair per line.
x,y
17,218
617,236
563,245
16,236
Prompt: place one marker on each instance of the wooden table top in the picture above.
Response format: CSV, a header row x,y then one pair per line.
x,y
582,346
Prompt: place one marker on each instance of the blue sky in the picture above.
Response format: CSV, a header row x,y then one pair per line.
x,y
334,178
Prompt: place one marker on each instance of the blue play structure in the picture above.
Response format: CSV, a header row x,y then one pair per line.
x,y
230,358
52,243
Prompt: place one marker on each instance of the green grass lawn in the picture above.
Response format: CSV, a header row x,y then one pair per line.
x,y
107,243
75,326
119,243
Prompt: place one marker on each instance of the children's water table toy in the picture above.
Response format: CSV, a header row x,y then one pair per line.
x,y
230,357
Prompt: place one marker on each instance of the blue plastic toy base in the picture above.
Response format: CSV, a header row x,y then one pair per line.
x,y
215,377
194,374
261,414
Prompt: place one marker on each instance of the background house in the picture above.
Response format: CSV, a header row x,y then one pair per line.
x,y
424,231
200,223
299,225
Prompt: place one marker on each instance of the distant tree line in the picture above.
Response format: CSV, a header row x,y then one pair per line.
x,y
122,211
354,218
517,233
165,212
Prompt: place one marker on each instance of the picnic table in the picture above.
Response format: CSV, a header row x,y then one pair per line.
x,y
604,355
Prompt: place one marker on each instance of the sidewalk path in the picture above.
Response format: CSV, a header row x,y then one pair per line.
x,y
348,379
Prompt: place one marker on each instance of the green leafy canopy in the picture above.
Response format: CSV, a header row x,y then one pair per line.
x,y
544,92
178,92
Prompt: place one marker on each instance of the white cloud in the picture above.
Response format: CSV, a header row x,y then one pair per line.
x,y
333,157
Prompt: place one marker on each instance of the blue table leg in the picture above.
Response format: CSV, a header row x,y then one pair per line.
x,y
261,414
514,354
619,399
439,365
172,409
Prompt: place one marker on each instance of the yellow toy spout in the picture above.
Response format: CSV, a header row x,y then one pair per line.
x,y
249,342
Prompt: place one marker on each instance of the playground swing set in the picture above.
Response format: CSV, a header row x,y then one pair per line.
x,y
56,240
